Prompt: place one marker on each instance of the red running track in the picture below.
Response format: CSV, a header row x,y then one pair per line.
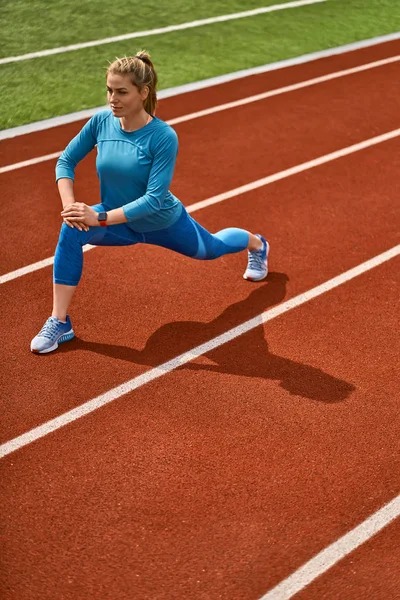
x,y
366,573
315,231
219,479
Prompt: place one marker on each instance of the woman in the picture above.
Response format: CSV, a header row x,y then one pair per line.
x,y
136,155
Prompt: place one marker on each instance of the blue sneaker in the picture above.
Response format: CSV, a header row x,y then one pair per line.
x,y
257,266
53,332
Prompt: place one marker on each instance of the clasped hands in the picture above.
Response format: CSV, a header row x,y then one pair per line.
x,y
79,215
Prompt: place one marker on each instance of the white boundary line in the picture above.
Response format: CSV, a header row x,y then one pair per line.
x,y
288,88
138,34
202,84
332,554
141,380
30,162
221,107
235,192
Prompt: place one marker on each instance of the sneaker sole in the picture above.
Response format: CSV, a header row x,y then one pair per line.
x,y
64,338
258,279
266,274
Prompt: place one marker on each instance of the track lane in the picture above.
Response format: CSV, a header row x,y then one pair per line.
x,y
224,477
333,116
49,141
319,226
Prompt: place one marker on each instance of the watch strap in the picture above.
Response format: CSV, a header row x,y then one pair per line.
x,y
102,219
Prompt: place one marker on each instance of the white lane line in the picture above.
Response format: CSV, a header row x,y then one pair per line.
x,y
235,192
30,162
203,84
41,264
310,164
228,105
335,552
137,34
186,357
284,90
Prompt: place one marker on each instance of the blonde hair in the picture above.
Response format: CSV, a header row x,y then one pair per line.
x,y
142,73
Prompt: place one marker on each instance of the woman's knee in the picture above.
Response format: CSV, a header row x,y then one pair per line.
x,y
67,231
210,251
72,234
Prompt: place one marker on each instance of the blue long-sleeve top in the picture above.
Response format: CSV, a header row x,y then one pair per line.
x,y
134,168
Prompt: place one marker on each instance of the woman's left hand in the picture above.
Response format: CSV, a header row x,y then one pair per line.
x,y
78,211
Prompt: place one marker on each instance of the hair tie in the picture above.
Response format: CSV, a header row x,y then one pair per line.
x,y
140,58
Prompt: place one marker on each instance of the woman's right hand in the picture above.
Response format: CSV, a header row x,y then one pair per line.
x,y
72,223
66,190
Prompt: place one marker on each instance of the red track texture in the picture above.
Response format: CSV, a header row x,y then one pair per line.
x,y
221,478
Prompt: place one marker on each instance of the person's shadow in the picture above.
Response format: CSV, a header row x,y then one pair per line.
x,y
246,355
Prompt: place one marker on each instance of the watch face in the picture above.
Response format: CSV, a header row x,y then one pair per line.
x,y
102,216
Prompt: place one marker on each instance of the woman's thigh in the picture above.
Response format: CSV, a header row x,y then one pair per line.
x,y
191,239
180,237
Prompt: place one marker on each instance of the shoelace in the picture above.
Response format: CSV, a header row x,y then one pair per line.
x,y
255,258
49,329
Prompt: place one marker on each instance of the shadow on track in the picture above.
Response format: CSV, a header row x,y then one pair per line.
x,y
247,355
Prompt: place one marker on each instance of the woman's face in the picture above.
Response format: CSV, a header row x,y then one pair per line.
x,y
123,96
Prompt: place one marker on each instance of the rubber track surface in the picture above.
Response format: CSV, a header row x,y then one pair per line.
x,y
223,477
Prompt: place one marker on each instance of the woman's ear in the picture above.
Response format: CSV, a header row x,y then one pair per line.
x,y
144,92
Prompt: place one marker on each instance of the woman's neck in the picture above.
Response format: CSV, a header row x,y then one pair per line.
x,y
132,123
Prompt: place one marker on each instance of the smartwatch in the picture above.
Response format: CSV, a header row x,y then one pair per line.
x,y
102,219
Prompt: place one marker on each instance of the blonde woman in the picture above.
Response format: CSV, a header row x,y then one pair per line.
x,y
136,155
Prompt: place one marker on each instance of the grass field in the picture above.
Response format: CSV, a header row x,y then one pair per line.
x,y
45,87
68,22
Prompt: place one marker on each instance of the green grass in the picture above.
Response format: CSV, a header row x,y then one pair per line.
x,y
64,22
46,87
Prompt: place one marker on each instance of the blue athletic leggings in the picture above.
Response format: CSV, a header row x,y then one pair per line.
x,y
185,236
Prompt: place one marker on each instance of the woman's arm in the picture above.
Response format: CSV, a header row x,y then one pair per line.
x,y
76,150
82,215
66,191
